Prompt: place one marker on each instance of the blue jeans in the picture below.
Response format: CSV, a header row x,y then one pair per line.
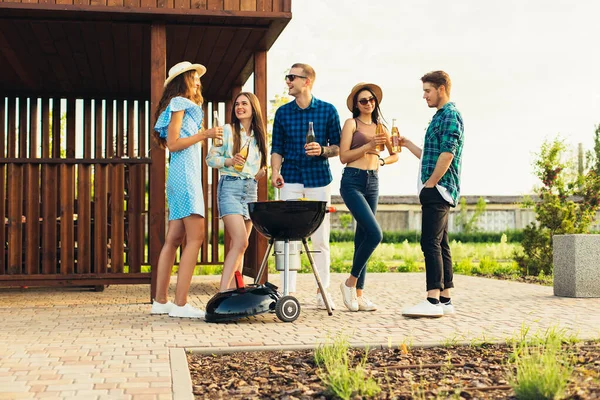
x,y
360,191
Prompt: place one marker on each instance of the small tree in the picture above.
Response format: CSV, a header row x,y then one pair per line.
x,y
567,204
593,157
469,223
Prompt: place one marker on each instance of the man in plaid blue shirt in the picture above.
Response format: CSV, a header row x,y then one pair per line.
x,y
301,169
439,189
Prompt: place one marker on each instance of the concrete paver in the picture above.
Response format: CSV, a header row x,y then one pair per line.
x,y
71,343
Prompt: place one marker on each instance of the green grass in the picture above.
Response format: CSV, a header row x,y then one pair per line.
x,y
481,259
337,373
542,366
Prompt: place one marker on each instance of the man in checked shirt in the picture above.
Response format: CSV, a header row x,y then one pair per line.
x,y
302,170
439,189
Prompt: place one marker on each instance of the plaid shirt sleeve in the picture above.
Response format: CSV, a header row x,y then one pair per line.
x,y
277,139
334,129
451,131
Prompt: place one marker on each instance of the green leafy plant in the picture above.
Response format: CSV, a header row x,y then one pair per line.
x,y
567,204
345,220
542,366
336,370
468,221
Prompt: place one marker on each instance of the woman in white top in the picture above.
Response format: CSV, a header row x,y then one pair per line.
x,y
242,161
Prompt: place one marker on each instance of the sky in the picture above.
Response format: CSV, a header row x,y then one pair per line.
x,y
522,72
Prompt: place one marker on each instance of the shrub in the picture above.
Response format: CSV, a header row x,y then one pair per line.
x,y
512,236
567,204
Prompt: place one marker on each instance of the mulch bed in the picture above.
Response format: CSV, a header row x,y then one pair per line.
x,y
467,372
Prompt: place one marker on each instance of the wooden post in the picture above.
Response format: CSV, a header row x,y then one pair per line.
x,y
228,111
2,186
158,67
258,244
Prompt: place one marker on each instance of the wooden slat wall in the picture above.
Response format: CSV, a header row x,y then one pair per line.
x,y
59,221
228,5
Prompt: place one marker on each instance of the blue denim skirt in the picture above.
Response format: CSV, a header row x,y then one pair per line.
x,y
233,195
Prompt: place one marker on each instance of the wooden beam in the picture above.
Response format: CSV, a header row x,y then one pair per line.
x,y
157,14
14,61
158,63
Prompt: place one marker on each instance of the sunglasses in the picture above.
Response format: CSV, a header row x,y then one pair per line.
x,y
364,102
291,77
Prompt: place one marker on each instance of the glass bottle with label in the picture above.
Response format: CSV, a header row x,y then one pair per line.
x,y
378,131
396,148
244,153
217,142
310,135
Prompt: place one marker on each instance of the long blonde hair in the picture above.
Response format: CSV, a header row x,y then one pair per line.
x,y
257,126
182,85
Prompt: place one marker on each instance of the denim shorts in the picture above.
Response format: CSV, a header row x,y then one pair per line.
x,y
234,193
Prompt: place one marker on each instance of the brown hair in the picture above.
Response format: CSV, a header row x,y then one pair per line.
x,y
182,85
437,79
257,125
308,71
376,111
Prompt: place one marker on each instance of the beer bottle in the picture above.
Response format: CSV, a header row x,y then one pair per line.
x,y
244,154
310,135
217,142
379,131
396,148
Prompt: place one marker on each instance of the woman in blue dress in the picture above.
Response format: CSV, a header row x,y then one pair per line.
x,y
179,128
242,161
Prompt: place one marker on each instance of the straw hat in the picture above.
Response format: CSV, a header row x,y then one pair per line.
x,y
360,86
182,67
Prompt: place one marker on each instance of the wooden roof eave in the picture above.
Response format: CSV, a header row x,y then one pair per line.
x,y
171,16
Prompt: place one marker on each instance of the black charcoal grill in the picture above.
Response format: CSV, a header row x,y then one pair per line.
x,y
286,221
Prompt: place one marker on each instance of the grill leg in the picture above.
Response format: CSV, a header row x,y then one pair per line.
x,y
264,262
317,277
286,266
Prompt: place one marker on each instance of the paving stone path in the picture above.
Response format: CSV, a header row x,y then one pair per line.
x,y
72,343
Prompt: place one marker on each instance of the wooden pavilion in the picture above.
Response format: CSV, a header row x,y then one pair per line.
x,y
82,187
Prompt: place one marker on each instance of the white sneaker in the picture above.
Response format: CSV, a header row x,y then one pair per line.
x,y
448,308
321,303
349,296
186,311
364,304
424,309
161,308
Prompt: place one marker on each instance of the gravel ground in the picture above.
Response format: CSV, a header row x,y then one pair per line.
x,y
468,372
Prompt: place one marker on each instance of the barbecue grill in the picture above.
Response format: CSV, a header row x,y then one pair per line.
x,y
285,221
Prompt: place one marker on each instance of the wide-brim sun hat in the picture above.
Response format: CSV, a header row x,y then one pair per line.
x,y
361,86
182,67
